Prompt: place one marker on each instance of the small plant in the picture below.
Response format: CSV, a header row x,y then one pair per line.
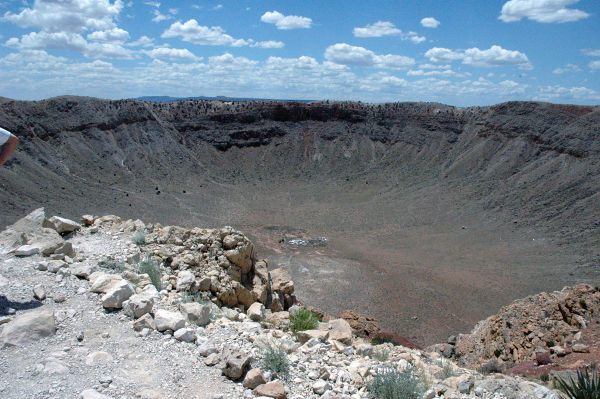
x,y
544,377
583,304
274,358
381,354
303,319
586,386
139,238
394,384
447,370
151,267
112,264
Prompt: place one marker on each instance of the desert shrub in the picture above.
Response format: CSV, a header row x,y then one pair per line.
x,y
112,264
394,384
493,366
139,238
151,267
303,319
381,354
447,370
544,377
274,358
586,386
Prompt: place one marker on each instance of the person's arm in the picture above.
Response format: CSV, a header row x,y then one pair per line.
x,y
8,148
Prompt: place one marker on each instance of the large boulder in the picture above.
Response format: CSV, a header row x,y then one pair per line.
x,y
103,282
117,294
185,280
235,363
138,305
196,313
27,328
166,320
273,389
363,326
61,225
340,330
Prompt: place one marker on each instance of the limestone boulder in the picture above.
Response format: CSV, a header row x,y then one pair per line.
x,y
340,330
167,320
117,294
196,313
273,389
138,305
28,327
235,363
61,225
256,311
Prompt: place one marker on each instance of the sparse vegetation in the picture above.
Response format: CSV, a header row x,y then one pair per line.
x,y
394,384
586,386
303,319
381,354
274,358
151,267
139,238
112,264
493,366
447,370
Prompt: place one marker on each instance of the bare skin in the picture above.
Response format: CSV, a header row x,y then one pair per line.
x,y
7,149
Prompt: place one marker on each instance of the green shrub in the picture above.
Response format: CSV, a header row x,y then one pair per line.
x,y
381,354
151,267
274,358
586,386
447,370
139,238
112,264
393,384
303,319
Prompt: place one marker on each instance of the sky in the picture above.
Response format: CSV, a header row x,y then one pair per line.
x,y
463,53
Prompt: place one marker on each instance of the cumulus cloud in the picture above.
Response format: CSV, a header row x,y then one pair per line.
x,y
378,29
430,22
546,11
591,52
345,54
492,57
286,22
567,68
109,36
107,50
143,41
385,28
171,54
68,15
159,17
268,44
594,65
191,32
49,41
553,93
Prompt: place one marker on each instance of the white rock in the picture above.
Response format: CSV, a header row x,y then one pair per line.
x,y
119,293
185,335
61,225
27,328
26,250
185,280
54,366
166,320
102,282
98,357
39,292
138,305
256,311
321,386
196,313
92,394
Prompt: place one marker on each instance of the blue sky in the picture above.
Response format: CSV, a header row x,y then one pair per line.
x,y
472,52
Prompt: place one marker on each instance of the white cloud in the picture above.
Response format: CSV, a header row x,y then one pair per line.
x,y
546,11
594,65
107,50
171,53
345,54
109,36
435,72
154,4
591,52
553,93
430,22
386,28
378,29
190,31
217,7
67,15
286,22
567,68
143,41
159,17
49,41
492,57
268,44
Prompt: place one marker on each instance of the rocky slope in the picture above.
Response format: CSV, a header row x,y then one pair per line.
x,y
501,201
79,319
